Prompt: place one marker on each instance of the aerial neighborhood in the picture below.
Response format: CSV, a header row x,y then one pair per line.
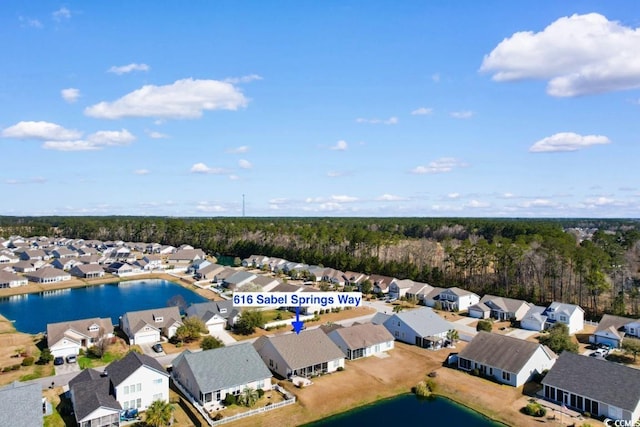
x,y
488,338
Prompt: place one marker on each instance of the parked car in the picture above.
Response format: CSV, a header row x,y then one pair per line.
x,y
129,414
72,358
58,361
601,352
157,348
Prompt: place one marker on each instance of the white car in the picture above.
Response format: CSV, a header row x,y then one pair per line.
x,y
601,352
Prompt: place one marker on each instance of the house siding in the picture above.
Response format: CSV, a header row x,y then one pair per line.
x,y
142,387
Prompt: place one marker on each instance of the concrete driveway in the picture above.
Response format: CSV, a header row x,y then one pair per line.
x,y
522,334
224,337
67,368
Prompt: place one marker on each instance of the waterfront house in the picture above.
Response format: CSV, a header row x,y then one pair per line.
x,y
67,338
451,299
65,264
121,268
34,255
48,275
208,272
186,256
63,252
87,271
255,261
26,266
153,262
238,279
216,315
612,330
209,376
557,312
306,354
421,327
11,280
596,386
7,257
507,360
499,308
362,340
21,405
146,326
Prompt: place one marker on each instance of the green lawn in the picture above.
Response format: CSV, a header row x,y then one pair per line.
x,y
39,372
272,315
86,362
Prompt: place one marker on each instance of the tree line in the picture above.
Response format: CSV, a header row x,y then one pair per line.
x,y
533,259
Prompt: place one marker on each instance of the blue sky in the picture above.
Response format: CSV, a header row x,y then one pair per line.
x,y
332,108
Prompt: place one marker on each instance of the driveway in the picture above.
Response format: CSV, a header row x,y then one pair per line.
x,y
224,337
522,334
67,368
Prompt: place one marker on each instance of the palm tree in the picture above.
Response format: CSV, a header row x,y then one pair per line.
x,y
248,397
453,335
398,308
159,414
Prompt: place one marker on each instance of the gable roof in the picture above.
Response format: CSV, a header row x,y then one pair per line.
x,y
47,273
600,380
138,319
424,321
206,310
122,369
310,347
21,404
560,307
508,305
363,335
91,395
609,321
75,328
224,367
380,318
503,352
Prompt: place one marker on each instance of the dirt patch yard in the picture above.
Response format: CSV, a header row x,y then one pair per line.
x,y
14,347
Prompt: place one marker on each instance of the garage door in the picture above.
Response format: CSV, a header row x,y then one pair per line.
x,y
216,327
147,338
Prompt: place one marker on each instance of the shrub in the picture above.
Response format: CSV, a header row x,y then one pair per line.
x,y
28,361
260,392
15,367
45,357
218,417
475,372
422,390
484,325
535,410
340,368
229,400
431,384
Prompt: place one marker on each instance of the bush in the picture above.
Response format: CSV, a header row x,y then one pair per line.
x,y
28,361
45,357
535,410
15,367
340,368
229,400
422,390
431,384
260,392
484,325
475,372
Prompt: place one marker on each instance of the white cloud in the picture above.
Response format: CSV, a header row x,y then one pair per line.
x,y
204,169
234,177
340,146
124,69
34,180
142,171
389,121
206,207
567,141
156,135
464,114
238,150
578,55
477,204
244,79
344,199
30,22
442,165
244,164
422,111
183,99
61,14
538,203
453,195
94,141
391,198
507,195
336,174
333,199
40,130
601,201
70,95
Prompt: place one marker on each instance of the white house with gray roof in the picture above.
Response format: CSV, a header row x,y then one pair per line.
x,y
421,327
146,326
11,280
508,360
596,386
557,312
48,275
309,353
67,338
451,299
362,340
238,279
212,374
216,315
612,330
499,308
21,405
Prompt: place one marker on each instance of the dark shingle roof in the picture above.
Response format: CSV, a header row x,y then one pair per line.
x,y
121,369
617,322
507,353
595,379
224,367
21,405
91,395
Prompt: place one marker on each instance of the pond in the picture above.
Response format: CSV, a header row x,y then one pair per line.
x,y
31,312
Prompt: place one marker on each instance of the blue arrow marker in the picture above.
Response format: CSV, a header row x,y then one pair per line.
x,y
297,325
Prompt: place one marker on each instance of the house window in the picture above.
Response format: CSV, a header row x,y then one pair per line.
x,y
271,363
397,334
261,384
465,364
139,402
156,397
157,381
159,319
94,328
506,376
126,389
139,387
563,318
398,323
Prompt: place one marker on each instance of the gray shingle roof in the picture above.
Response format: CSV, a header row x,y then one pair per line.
x,y
21,405
56,331
596,379
138,319
505,304
206,310
91,395
424,321
122,369
224,367
364,335
310,347
616,322
507,353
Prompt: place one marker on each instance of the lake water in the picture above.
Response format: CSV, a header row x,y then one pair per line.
x,y
407,409
32,312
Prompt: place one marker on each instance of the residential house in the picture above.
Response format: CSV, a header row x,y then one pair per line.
x,y
421,327
34,255
612,330
451,299
7,257
68,338
353,278
380,283
419,292
197,265
333,276
11,280
362,340
499,308
48,275
306,354
238,279
508,360
26,266
185,256
65,264
135,381
534,319
596,386
21,405
557,312
255,261
146,326
167,250
153,261
209,376
63,252
122,268
209,272
216,315
399,288
263,283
